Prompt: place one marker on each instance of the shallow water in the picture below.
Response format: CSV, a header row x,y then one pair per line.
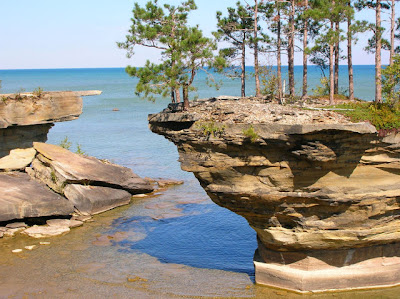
x,y
175,244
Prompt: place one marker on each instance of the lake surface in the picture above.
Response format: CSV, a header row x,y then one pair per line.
x,y
176,243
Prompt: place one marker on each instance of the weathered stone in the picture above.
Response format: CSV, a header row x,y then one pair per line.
x,y
22,137
16,225
18,159
312,181
94,199
71,223
22,197
10,232
168,182
66,167
44,231
1,234
48,108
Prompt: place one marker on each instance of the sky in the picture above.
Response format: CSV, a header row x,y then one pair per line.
x,y
43,34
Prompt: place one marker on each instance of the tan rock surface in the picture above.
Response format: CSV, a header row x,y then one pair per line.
x,y
18,159
44,231
307,180
67,167
17,200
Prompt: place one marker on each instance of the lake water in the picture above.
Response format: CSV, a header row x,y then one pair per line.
x,y
177,243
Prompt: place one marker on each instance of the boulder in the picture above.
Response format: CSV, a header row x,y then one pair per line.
x,y
18,159
66,167
94,199
22,197
44,231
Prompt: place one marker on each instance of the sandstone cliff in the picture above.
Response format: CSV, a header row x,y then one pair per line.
x,y
304,180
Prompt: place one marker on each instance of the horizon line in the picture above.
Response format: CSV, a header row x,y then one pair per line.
x,y
122,67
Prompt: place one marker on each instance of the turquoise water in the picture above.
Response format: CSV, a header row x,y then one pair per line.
x,y
204,235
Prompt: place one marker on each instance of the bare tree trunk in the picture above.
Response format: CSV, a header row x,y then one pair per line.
x,y
331,74
305,56
172,95
178,95
378,58
185,91
243,75
350,59
392,31
291,49
256,68
337,56
278,53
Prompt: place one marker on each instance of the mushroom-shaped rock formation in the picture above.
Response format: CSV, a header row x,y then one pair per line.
x,y
322,193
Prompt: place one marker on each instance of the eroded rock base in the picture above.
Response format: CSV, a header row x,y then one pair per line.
x,y
329,270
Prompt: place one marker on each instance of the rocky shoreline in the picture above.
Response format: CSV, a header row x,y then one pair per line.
x,y
46,184
321,192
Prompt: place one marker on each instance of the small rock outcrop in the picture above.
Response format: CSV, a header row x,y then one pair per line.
x,y
27,117
322,193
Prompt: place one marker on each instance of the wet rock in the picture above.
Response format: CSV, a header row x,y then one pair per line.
x,y
45,231
18,159
16,225
94,200
16,251
1,234
82,218
17,200
30,247
71,223
66,167
162,183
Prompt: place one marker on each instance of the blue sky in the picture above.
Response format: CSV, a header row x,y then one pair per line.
x,y
83,33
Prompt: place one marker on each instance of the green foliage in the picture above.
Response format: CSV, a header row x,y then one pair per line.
x,y
381,115
211,128
391,82
79,150
323,89
269,81
53,176
65,143
184,49
38,92
251,134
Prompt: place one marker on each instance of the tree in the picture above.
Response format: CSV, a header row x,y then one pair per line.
x,y
376,42
391,81
235,29
184,49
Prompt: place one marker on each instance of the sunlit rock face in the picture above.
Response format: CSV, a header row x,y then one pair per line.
x,y
27,118
322,193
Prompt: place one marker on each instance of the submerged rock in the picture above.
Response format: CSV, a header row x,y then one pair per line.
x,y
43,231
315,187
94,200
22,197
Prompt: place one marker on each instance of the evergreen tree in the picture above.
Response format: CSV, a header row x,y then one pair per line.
x,y
236,29
184,49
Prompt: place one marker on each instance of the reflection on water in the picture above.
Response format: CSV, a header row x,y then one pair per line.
x,y
132,252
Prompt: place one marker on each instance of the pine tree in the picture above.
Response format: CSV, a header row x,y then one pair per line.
x,y
236,29
184,49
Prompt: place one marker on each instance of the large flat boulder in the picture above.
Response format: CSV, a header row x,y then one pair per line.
x,y
22,197
94,200
18,159
69,168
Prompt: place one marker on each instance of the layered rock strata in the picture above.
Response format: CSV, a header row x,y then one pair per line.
x,y
28,117
321,192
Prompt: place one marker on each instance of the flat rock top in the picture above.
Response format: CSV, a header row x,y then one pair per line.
x,y
254,111
25,109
